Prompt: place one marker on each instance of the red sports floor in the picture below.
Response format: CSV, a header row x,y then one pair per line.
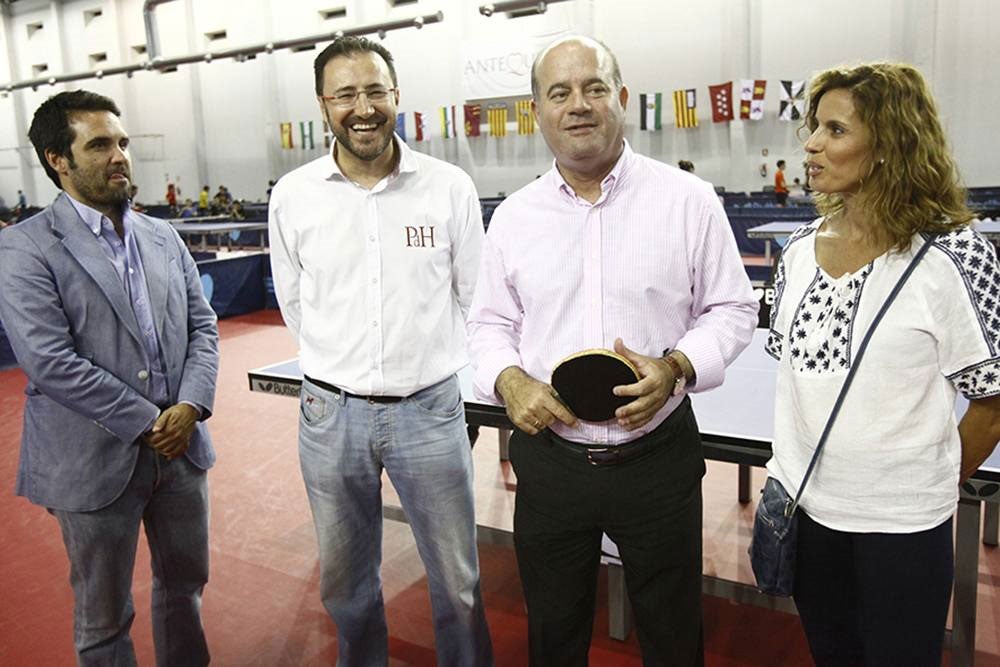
x,y
261,607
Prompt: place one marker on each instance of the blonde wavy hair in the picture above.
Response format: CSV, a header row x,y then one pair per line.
x,y
909,183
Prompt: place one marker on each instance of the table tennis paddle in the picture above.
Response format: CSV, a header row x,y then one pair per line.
x,y
585,380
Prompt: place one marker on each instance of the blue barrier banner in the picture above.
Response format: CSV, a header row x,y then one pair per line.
x,y
234,286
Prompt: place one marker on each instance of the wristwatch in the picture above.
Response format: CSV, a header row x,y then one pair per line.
x,y
680,380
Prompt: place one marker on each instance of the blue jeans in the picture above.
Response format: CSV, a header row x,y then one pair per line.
x,y
344,444
171,499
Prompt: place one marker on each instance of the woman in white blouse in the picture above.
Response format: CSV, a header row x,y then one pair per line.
x,y
875,561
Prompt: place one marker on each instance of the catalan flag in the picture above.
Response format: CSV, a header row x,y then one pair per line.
x,y
286,136
650,111
685,108
306,132
447,116
525,118
472,120
498,120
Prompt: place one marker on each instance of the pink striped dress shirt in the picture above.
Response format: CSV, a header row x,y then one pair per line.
x,y
652,261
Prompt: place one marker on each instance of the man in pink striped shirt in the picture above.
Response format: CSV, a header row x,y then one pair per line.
x,y
607,249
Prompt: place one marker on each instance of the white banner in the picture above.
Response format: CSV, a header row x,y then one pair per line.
x,y
501,68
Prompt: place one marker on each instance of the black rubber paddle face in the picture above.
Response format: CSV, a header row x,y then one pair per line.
x,y
585,384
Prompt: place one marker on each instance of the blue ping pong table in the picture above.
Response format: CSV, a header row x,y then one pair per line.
x,y
736,423
782,229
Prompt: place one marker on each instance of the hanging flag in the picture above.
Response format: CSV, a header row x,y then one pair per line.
x,y
498,120
472,121
327,135
306,132
401,125
286,135
792,100
650,111
447,117
684,108
752,98
722,102
418,122
525,118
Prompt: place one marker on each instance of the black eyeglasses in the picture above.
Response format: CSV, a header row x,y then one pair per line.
x,y
348,98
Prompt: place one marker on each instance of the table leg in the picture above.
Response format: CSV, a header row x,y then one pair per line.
x,y
963,634
503,438
767,251
619,611
991,524
744,483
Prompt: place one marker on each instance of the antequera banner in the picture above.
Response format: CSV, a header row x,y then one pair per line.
x,y
501,68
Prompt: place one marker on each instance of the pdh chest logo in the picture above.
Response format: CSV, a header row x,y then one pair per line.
x,y
420,237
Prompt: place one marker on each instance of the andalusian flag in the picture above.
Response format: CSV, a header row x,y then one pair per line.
x,y
650,111
752,98
286,136
525,119
447,117
792,93
418,123
685,108
498,120
306,132
472,120
401,125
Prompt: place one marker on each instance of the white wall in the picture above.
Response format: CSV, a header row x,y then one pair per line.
x,y
218,122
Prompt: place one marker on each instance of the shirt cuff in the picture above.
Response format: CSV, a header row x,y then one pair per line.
x,y
201,410
702,351
487,372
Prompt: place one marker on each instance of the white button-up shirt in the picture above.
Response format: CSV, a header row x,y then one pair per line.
x,y
375,284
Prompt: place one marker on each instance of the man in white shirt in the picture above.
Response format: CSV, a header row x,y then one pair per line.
x,y
374,252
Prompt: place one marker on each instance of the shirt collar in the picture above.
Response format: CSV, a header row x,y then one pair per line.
x,y
407,161
94,219
617,173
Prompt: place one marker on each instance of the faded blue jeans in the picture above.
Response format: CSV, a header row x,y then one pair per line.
x,y
170,498
421,441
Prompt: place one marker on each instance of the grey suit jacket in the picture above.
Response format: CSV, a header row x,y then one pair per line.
x,y
75,336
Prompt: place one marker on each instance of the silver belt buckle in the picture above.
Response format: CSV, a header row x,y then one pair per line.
x,y
592,450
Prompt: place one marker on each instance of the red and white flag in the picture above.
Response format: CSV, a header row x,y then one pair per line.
x,y
722,102
752,98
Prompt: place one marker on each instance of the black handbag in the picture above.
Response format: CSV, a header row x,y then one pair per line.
x,y
774,542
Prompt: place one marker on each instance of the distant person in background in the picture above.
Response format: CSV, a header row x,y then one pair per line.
x,y
22,201
203,197
875,557
133,194
780,189
236,211
172,198
797,194
270,186
189,210
686,165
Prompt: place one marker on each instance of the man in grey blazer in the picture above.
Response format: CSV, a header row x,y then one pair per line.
x,y
104,310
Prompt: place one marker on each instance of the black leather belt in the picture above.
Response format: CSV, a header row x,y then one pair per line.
x,y
609,455
340,392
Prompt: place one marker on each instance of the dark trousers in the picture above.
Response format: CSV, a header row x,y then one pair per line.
x,y
873,598
649,505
